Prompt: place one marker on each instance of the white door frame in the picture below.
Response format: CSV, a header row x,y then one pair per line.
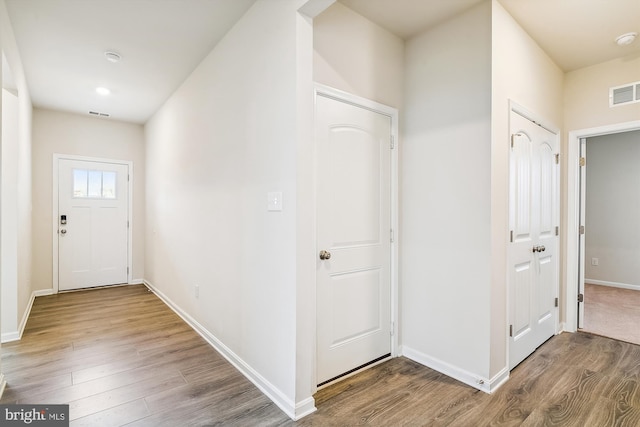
x,y
55,225
393,114
573,255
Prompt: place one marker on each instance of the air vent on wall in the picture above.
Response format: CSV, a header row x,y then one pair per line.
x,y
625,94
95,113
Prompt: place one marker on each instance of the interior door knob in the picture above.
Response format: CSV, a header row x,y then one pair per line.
x,y
325,254
63,231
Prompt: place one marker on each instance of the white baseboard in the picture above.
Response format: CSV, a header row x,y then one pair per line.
x,y
17,335
137,282
304,408
612,284
6,337
462,375
43,292
293,410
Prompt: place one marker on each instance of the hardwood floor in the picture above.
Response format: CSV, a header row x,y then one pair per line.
x,y
119,356
572,380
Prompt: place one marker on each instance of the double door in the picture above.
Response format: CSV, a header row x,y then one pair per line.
x,y
534,241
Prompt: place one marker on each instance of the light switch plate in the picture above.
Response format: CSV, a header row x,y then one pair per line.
x,y
274,201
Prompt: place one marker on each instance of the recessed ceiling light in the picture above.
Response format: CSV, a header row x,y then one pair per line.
x,y
112,56
103,91
626,39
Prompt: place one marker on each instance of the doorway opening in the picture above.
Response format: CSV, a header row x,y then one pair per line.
x,y
575,252
610,206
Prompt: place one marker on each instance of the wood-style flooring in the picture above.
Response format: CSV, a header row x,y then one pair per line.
x,y
119,356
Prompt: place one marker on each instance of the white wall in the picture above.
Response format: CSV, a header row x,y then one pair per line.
x,y
445,241
613,209
223,140
19,183
586,94
524,73
73,134
357,56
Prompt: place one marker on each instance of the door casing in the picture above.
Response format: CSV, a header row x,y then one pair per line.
x,y
55,213
393,114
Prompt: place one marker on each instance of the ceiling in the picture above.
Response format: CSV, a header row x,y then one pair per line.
x,y
62,42
574,33
62,45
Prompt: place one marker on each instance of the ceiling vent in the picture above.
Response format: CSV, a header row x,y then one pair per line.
x,y
626,94
97,114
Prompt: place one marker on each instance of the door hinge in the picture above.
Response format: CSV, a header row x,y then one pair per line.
x,y
128,178
557,230
510,330
393,328
581,229
556,302
127,271
392,237
580,297
511,236
583,161
513,136
557,159
392,141
127,224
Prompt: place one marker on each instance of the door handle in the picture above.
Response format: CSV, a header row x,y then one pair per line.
x,y
325,254
63,231
539,249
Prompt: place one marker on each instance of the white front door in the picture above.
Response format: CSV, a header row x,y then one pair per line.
x,y
533,251
353,226
92,217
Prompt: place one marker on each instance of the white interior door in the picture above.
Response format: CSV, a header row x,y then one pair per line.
x,y
93,204
353,226
533,251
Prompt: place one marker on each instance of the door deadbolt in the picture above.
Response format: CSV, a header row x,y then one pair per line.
x,y
325,254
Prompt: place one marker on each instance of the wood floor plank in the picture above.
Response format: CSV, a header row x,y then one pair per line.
x,y
115,397
193,353
567,404
115,416
106,383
